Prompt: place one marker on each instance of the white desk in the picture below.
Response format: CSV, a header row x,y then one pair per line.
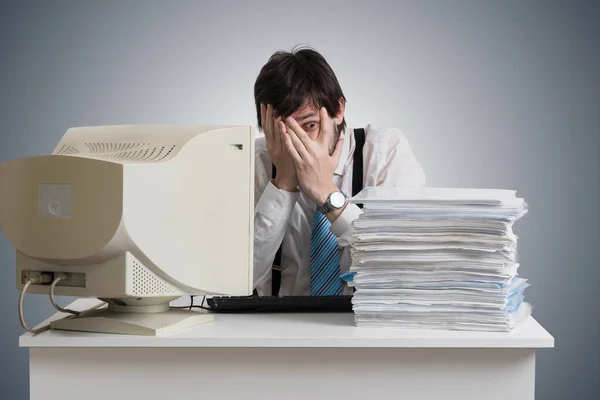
x,y
285,356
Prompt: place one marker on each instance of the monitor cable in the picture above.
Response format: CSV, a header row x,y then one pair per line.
x,y
192,305
46,278
38,279
53,300
58,278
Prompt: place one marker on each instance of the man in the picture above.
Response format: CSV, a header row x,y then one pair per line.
x,y
304,208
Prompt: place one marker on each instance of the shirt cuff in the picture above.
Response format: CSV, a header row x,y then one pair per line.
x,y
275,203
343,223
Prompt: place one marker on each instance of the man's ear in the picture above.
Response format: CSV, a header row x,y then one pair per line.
x,y
340,115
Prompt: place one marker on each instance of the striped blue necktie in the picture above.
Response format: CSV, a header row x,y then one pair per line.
x,y
324,259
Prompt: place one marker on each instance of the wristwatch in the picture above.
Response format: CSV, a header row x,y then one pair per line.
x,y
335,201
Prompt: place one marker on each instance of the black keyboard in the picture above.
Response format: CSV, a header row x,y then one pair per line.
x,y
258,304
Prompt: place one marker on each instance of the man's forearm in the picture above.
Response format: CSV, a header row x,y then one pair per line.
x,y
289,185
272,212
342,225
321,198
333,215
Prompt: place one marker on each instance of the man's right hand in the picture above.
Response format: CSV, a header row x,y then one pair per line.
x,y
273,128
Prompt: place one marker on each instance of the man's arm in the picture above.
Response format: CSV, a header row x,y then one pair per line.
x,y
388,161
274,200
273,206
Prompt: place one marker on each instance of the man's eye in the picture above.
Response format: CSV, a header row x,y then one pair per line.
x,y
310,126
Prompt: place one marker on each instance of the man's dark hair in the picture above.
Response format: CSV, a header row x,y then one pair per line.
x,y
290,78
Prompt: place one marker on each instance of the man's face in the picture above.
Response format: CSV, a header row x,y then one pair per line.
x,y
309,120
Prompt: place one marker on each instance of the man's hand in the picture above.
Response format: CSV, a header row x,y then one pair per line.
x,y
286,178
314,165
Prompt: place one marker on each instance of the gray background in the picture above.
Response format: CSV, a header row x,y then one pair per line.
x,y
502,94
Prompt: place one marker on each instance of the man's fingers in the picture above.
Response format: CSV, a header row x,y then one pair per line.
x,y
276,130
338,151
263,111
298,144
282,132
297,129
289,145
325,126
269,122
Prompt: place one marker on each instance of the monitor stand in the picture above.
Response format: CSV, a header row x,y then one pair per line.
x,y
145,320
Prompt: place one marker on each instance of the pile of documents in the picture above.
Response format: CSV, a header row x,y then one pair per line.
x,y
437,258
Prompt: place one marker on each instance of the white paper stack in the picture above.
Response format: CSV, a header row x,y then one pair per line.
x,y
437,258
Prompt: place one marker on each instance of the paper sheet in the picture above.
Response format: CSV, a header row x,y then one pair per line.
x,y
440,258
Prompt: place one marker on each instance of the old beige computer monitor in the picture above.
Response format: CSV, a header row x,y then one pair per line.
x,y
136,216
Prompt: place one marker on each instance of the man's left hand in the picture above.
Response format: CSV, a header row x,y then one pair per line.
x,y
314,165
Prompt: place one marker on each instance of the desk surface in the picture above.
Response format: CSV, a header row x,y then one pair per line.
x,y
293,330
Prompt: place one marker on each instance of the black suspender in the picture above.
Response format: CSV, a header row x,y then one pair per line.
x,y
358,170
276,270
357,186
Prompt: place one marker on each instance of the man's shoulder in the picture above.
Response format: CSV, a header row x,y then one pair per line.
x,y
389,151
260,144
260,148
384,136
262,156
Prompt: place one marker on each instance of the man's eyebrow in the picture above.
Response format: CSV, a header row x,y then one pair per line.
x,y
305,116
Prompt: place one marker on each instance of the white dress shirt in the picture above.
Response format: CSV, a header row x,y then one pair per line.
x,y
288,216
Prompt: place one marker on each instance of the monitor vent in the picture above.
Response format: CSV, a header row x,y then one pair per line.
x,y
67,150
145,282
131,151
112,147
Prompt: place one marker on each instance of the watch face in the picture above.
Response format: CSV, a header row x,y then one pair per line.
x,y
337,199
